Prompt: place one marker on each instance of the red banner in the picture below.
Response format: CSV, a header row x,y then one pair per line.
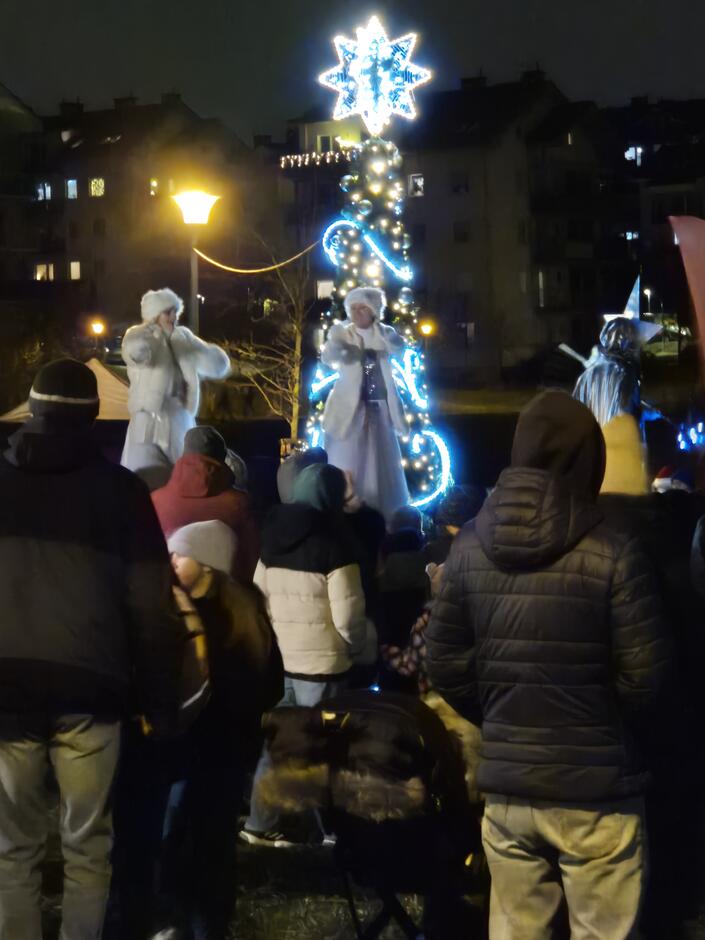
x,y
690,233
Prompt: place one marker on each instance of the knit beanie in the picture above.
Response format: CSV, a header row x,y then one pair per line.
x,y
290,469
212,544
375,299
459,505
65,389
406,517
207,442
155,302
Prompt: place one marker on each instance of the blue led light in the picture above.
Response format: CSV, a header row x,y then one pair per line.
x,y
321,381
405,374
446,477
331,248
404,273
374,77
691,436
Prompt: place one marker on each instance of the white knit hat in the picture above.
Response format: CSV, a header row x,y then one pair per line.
x,y
372,296
155,302
212,543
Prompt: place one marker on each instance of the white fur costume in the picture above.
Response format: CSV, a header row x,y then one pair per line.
x,y
165,374
360,436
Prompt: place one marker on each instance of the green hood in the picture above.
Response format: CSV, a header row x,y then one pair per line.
x,y
321,487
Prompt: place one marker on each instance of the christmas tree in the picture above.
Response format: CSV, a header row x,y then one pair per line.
x,y
369,245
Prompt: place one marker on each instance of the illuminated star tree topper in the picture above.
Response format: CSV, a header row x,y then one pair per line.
x,y
375,77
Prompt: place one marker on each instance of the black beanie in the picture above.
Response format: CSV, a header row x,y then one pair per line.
x,y
65,389
207,442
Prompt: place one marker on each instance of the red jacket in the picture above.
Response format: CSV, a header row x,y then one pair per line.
x,y
200,489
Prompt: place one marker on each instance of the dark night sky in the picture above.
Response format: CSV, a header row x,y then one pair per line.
x,y
254,63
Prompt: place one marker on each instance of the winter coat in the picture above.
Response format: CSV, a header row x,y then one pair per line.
x,y
310,578
342,351
245,664
85,584
150,366
199,490
550,629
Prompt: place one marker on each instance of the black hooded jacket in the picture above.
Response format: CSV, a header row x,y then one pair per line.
x,y
85,583
548,629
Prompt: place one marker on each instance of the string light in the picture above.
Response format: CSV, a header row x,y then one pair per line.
x,y
368,246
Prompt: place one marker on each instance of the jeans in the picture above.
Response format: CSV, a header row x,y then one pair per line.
x,y
83,753
542,855
296,692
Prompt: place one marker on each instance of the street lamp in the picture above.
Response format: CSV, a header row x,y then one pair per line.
x,y
195,208
647,293
97,328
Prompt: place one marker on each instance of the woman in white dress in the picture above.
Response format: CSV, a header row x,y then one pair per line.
x,y
364,414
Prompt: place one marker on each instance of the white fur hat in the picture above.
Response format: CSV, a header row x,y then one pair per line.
x,y
372,296
155,302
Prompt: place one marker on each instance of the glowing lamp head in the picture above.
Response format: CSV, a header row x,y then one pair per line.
x,y
195,206
97,327
427,328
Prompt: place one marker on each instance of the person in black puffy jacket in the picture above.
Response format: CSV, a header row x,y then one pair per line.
x,y
549,630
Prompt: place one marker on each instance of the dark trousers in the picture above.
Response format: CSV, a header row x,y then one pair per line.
x,y
196,883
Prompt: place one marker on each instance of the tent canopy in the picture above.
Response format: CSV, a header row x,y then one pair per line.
x,y
112,392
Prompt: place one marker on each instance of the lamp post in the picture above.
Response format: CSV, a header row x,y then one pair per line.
x,y
426,328
647,293
97,328
195,208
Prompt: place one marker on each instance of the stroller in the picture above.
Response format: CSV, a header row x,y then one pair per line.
x,y
386,778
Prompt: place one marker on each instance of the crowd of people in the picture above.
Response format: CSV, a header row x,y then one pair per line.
x,y
555,631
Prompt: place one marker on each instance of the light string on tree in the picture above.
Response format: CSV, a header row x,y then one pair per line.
x,y
369,246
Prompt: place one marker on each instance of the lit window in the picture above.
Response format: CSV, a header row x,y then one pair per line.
x,y
324,289
631,236
634,155
542,289
154,187
44,272
416,184
75,270
96,186
43,191
570,139
72,189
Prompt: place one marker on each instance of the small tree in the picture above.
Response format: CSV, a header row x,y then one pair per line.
x,y
270,360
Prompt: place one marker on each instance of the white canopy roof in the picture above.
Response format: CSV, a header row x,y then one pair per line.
x,y
112,392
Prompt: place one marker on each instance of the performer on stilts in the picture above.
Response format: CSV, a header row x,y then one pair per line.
x,y
364,414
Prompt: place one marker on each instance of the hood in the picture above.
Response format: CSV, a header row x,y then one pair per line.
x,y
195,477
532,519
293,465
286,527
560,435
322,487
43,445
